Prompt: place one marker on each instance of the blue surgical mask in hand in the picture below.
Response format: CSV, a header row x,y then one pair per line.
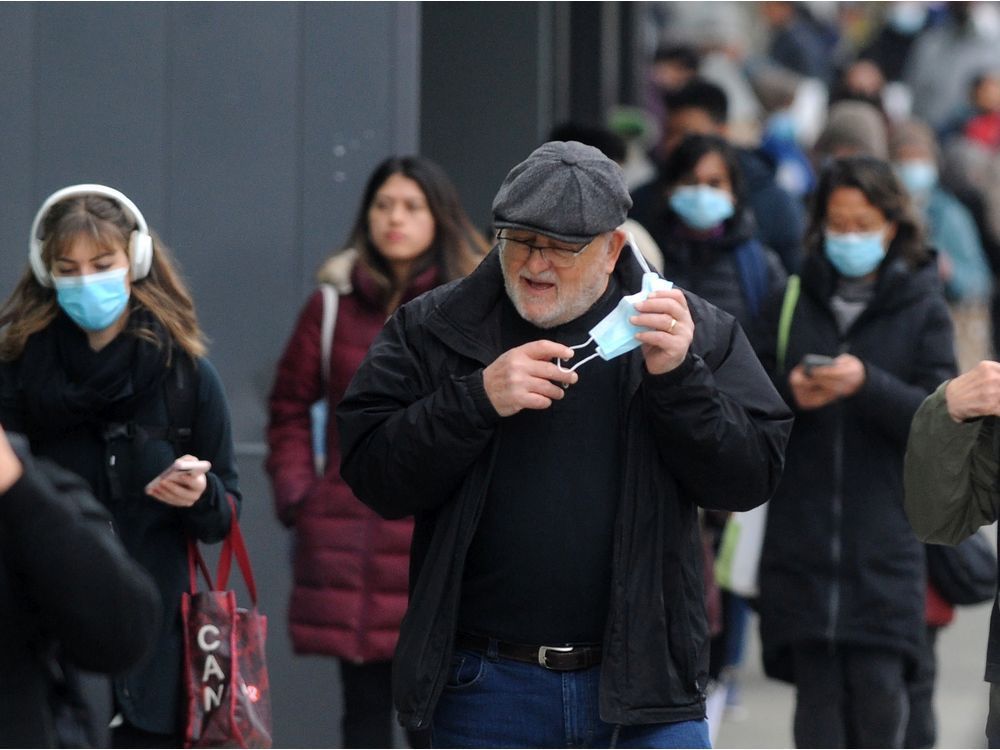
x,y
701,206
855,254
615,334
93,301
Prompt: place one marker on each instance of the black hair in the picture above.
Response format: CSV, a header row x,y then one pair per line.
x,y
685,157
683,54
700,94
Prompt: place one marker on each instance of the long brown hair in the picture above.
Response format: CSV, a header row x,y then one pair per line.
x,y
31,307
457,246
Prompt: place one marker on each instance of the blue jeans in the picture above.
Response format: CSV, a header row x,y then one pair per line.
x,y
493,702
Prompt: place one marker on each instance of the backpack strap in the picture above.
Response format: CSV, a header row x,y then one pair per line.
x,y
751,265
180,391
330,303
792,290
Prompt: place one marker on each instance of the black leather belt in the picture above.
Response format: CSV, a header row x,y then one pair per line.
x,y
556,658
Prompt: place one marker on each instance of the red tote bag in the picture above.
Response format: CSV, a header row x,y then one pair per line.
x,y
225,671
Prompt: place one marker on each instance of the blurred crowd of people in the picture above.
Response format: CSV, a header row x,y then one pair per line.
x,y
832,183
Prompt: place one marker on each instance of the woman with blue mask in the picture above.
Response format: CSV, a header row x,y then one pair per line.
x,y
706,233
860,344
102,366
952,230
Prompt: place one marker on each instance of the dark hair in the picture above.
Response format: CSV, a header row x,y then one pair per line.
x,y
700,94
877,181
610,144
683,54
981,77
457,246
683,160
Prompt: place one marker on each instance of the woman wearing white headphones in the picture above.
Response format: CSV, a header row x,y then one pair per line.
x,y
102,367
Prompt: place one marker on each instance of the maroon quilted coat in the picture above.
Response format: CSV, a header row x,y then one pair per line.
x,y
351,566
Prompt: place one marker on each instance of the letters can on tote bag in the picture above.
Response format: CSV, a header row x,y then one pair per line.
x,y
225,671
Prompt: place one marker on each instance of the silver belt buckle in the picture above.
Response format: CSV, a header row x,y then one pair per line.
x,y
544,650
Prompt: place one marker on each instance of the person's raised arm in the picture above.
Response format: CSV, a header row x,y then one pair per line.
x,y
58,540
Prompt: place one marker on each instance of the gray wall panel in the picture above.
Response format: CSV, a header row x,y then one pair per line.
x,y
353,116
483,107
17,106
99,89
232,152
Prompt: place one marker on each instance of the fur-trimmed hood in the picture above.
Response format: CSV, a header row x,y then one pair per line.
x,y
337,270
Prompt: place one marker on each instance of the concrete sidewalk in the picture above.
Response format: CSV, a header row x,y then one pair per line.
x,y
961,695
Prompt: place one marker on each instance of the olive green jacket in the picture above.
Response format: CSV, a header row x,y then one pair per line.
x,y
951,473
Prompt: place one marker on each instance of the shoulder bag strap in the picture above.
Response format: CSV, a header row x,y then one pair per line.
x,y
792,289
330,302
195,563
234,545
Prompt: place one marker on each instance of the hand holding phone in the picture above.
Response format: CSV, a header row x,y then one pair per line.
x,y
811,361
180,467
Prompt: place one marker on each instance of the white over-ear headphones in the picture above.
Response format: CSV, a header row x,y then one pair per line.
x,y
140,242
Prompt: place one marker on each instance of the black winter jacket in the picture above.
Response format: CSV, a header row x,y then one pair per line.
x,y
417,437
710,269
840,563
154,533
66,579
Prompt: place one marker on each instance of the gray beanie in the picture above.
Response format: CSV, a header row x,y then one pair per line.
x,y
564,190
856,127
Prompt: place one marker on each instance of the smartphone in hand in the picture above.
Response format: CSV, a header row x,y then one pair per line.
x,y
179,467
811,361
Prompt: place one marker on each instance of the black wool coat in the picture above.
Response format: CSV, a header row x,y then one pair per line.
x,y
418,436
840,562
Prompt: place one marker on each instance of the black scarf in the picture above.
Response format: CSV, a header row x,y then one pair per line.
x,y
65,384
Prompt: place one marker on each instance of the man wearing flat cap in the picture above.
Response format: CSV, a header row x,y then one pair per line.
x,y
553,421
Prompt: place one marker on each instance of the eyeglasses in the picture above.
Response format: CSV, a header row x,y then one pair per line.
x,y
560,257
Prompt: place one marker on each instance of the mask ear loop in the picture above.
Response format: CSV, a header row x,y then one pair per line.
x,y
630,238
582,361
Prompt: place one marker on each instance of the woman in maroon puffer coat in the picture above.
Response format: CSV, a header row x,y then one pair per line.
x,y
350,592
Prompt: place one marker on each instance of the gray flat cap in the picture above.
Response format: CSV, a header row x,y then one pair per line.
x,y
564,190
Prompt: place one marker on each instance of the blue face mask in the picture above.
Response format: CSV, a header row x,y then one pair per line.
x,y
615,334
907,18
855,254
701,206
93,301
918,177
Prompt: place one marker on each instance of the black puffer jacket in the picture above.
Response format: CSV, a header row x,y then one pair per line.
x,y
711,267
840,562
417,437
